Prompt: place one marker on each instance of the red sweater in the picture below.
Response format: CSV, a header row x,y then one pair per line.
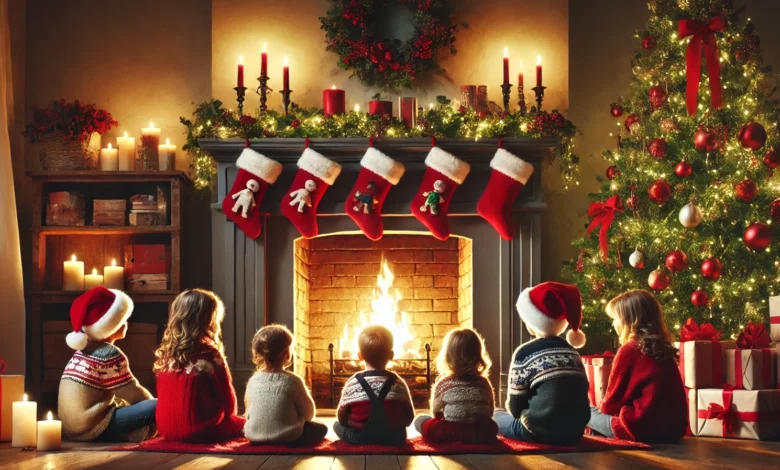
x,y
645,397
198,403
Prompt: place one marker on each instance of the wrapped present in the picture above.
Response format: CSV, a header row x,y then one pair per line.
x,y
774,318
742,414
597,368
753,365
701,355
11,390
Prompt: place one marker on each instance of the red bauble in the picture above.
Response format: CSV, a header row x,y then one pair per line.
x,y
683,169
658,280
758,236
658,148
648,42
711,268
631,120
616,110
752,136
699,298
295,123
676,261
774,210
705,140
747,190
612,172
657,96
660,192
771,160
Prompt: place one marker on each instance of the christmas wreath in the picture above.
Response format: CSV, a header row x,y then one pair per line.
x,y
390,64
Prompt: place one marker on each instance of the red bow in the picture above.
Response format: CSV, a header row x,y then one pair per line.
x,y
703,35
725,413
603,213
754,336
691,331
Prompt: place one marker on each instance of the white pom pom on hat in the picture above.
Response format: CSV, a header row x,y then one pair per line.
x,y
549,306
97,314
77,340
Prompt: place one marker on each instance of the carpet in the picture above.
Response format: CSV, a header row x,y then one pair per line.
x,y
414,446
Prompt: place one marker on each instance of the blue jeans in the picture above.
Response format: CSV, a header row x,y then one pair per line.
x,y
419,421
129,418
600,422
511,427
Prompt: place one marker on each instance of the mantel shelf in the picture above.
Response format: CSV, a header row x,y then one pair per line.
x,y
96,176
66,297
107,230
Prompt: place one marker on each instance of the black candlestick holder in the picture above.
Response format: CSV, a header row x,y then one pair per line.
x,y
240,93
285,100
539,90
506,89
521,99
263,90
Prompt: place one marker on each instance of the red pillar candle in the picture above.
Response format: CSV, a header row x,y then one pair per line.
x,y
538,70
506,66
286,74
408,110
334,101
263,63
380,108
240,81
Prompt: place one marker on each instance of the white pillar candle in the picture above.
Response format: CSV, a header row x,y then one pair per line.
x,y
150,143
49,434
93,280
24,413
73,275
167,156
114,276
126,148
108,159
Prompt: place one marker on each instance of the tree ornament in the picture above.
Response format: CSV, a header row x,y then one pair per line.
x,y
637,259
699,298
658,148
616,110
705,140
771,160
632,201
648,42
747,190
669,126
660,192
752,136
683,169
690,216
612,172
711,269
658,280
632,122
657,96
774,210
758,236
676,261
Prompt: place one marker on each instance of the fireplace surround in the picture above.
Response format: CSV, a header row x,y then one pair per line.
x,y
326,281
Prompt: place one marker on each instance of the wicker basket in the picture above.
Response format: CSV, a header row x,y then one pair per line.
x,y
59,154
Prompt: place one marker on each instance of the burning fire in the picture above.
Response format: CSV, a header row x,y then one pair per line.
x,y
384,306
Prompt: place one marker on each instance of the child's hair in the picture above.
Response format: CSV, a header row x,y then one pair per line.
x,y
195,320
462,354
376,345
269,345
640,318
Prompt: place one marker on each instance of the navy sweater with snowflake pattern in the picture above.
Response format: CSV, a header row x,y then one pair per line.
x,y
548,391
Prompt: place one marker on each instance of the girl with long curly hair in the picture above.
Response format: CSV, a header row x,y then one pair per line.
x,y
196,399
645,398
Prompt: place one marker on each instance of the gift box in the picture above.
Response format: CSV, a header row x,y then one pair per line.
x,y
146,259
751,369
701,355
597,368
11,390
774,318
742,414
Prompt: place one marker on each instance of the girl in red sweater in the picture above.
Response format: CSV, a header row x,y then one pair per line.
x,y
645,399
196,400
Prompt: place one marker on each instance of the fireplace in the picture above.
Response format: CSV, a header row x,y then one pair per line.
x,y
318,286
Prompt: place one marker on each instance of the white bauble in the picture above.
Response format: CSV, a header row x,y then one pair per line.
x,y
637,259
690,216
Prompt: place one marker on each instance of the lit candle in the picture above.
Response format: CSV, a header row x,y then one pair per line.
x,y
286,74
539,70
334,101
240,71
114,276
126,149
93,280
167,155
357,108
108,159
150,143
506,66
73,275
24,413
520,76
49,434
263,63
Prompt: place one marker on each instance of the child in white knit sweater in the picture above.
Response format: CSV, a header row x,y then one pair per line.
x,y
279,407
463,399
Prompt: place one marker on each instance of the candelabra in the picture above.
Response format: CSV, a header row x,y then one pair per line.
x,y
263,90
240,93
286,100
521,99
539,90
506,89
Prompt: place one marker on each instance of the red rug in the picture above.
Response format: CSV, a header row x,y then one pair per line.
x,y
413,446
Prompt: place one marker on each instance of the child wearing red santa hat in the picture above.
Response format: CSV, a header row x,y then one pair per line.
x,y
548,388
99,398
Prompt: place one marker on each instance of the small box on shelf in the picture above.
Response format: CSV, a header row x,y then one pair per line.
x,y
147,259
147,282
65,208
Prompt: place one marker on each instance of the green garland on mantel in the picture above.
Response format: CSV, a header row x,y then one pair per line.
x,y
211,120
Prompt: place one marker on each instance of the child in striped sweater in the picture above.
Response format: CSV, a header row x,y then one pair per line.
x,y
463,399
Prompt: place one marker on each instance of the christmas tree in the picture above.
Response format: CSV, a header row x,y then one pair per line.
x,y
689,201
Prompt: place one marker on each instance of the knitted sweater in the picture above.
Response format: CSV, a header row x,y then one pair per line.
x,y
277,404
548,391
645,397
467,399
96,381
198,403
356,406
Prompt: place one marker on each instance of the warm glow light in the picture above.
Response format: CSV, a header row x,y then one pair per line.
x,y
167,141
24,398
521,65
264,46
109,145
430,105
73,257
506,52
125,133
49,416
357,108
286,61
240,59
113,262
538,60
151,124
333,87
94,271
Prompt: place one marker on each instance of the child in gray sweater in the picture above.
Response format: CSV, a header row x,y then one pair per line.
x,y
279,408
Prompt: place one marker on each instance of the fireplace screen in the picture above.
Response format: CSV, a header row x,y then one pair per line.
x,y
417,286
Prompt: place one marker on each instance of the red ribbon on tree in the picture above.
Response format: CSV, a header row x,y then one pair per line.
x,y
703,37
603,213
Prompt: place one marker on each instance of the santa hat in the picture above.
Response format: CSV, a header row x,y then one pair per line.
x,y
97,314
549,307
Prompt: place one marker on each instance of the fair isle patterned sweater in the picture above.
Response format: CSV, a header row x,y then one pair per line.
x,y
96,381
467,399
357,406
548,391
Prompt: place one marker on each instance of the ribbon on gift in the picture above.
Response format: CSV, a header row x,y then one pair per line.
x,y
590,371
692,331
730,417
703,37
753,336
766,365
603,213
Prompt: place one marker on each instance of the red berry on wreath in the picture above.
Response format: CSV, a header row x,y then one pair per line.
x,y
705,140
747,190
660,192
771,160
752,136
462,109
774,210
676,261
711,269
616,110
657,96
683,169
632,121
296,123
758,236
612,172
658,280
648,43
699,298
658,148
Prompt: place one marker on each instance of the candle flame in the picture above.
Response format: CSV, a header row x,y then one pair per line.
x,y
286,61
49,416
240,60
167,141
113,262
521,64
94,271
333,87
538,60
506,52
357,108
109,145
73,257
125,134
151,124
264,46
24,398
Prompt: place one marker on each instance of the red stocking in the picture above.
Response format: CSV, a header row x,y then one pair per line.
x,y
442,177
315,175
510,174
364,204
242,204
